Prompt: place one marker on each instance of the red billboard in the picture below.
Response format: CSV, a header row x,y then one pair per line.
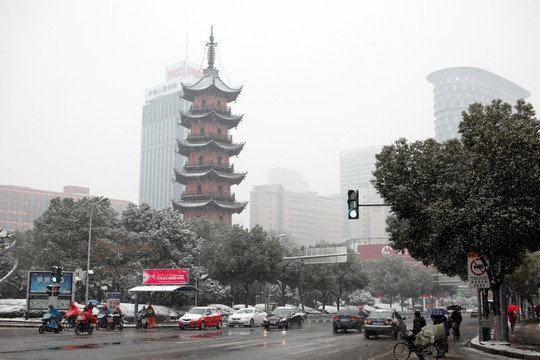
x,y
165,277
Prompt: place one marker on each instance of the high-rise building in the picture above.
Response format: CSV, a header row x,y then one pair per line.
x,y
290,180
356,167
458,87
20,206
304,216
159,135
208,174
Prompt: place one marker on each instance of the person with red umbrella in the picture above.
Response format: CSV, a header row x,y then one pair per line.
x,y
512,310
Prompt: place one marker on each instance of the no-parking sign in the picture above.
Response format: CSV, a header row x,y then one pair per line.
x,y
478,277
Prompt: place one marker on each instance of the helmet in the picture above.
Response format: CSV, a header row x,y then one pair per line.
x,y
105,306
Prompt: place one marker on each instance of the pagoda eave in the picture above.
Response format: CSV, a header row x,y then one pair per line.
x,y
233,207
232,178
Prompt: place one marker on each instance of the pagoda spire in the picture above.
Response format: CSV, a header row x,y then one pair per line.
x,y
211,49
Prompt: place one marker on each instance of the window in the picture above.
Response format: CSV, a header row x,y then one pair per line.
x,y
219,160
220,190
219,103
20,202
200,160
9,201
219,131
199,189
203,102
202,131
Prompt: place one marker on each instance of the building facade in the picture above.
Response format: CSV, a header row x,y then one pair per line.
x,y
20,206
304,216
159,135
458,87
208,174
356,167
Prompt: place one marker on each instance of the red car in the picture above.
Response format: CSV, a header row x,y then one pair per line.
x,y
201,318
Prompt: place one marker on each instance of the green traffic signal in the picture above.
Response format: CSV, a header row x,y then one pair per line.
x,y
352,203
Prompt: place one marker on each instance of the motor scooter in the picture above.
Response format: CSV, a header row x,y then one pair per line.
x,y
102,319
115,321
83,325
50,324
142,321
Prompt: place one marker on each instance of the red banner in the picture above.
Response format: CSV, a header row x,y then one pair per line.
x,y
165,277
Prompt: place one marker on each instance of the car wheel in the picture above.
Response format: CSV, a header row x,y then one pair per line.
x,y
202,326
287,325
219,325
251,323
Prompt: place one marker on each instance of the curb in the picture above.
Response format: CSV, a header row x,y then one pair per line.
x,y
498,348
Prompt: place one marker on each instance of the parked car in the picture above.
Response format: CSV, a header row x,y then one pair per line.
x,y
384,322
247,317
237,307
284,317
347,319
223,309
474,312
201,317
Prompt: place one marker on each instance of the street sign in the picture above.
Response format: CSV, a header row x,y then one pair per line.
x,y
478,277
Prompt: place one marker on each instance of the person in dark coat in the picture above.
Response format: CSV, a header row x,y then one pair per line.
x,y
418,323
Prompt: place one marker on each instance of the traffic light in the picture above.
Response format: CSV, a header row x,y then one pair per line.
x,y
56,274
352,203
53,290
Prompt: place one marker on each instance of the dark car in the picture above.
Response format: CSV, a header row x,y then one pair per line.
x,y
385,322
347,319
284,317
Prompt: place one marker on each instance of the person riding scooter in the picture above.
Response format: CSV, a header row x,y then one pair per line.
x,y
102,317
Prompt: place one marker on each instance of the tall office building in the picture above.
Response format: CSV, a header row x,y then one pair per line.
x,y
458,87
304,216
159,135
356,167
290,180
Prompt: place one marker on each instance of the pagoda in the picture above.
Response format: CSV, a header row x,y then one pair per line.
x,y
208,174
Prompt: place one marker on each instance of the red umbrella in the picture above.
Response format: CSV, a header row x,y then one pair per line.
x,y
512,308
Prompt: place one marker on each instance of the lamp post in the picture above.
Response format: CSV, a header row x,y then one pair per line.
x,y
89,243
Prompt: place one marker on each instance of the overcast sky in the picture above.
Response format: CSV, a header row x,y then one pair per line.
x,y
318,77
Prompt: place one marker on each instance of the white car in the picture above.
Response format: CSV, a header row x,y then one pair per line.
x,y
247,317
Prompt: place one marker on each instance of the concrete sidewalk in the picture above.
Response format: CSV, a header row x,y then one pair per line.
x,y
524,342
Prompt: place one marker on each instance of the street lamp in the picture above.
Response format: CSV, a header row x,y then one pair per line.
x,y
89,242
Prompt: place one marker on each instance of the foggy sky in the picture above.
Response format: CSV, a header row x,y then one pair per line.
x,y
318,77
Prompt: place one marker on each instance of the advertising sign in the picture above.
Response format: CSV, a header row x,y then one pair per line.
x,y
478,277
113,300
40,279
165,277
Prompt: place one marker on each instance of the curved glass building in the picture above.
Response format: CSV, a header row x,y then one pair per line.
x,y
458,87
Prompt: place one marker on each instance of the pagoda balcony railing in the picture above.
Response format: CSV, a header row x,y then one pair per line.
x,y
205,109
208,137
194,196
209,166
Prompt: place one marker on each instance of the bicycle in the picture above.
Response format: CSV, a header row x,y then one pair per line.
x,y
403,349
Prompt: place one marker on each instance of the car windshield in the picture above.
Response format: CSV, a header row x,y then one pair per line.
x,y
282,312
348,312
245,311
382,314
198,311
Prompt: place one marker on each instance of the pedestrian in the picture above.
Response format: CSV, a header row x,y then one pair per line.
x,y
512,319
418,323
456,322
151,314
